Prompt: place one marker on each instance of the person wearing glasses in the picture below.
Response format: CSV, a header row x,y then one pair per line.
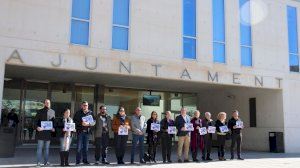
x,y
139,125
84,119
102,131
120,122
152,137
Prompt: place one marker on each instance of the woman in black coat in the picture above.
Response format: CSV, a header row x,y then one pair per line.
x,y
152,138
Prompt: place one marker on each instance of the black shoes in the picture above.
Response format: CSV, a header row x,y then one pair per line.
x,y
142,161
179,161
104,161
239,158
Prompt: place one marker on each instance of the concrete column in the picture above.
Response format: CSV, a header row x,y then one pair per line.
x,y
2,72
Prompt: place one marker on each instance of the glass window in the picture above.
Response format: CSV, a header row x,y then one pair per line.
x,y
80,32
81,9
218,20
80,22
120,24
189,29
245,33
121,12
246,56
218,31
189,48
120,38
293,39
219,52
189,18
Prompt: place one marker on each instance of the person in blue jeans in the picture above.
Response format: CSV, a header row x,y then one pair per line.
x,y
138,125
83,132
43,136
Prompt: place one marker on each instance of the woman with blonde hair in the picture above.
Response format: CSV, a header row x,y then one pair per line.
x,y
152,138
222,130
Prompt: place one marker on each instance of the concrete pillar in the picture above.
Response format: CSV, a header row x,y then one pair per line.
x,y
2,69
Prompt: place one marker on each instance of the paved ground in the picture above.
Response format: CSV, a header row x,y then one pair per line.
x,y
25,157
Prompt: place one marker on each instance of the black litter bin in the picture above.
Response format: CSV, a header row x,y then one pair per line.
x,y
276,142
7,142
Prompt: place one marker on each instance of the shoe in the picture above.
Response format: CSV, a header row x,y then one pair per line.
x,y
195,160
105,161
169,161
186,161
47,164
239,158
209,159
38,164
97,162
122,162
142,161
179,161
86,163
132,162
203,158
231,158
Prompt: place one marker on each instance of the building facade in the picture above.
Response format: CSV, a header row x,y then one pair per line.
x,y
211,55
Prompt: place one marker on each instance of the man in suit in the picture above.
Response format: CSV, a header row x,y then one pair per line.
x,y
183,135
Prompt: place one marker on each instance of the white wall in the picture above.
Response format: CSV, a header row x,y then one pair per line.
x,y
269,112
40,30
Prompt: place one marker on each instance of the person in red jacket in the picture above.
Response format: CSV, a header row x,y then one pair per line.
x,y
197,141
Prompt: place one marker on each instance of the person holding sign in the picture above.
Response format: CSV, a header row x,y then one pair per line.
x,y
197,142
43,136
102,131
183,135
166,137
64,131
236,125
84,120
120,127
153,128
208,123
139,125
221,126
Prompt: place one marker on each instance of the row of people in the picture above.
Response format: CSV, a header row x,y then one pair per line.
x,y
102,125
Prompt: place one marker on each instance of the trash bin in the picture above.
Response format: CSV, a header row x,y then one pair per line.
x,y
7,142
276,142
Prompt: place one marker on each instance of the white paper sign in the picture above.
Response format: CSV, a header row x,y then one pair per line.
x,y
224,129
171,130
202,131
89,119
69,126
46,125
123,130
211,129
155,127
239,124
189,127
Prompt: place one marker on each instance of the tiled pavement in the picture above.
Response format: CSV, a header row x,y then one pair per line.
x,y
25,157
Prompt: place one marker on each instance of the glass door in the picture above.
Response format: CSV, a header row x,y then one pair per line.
x,y
35,95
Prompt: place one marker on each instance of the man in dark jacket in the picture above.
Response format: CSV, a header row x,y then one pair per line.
x,y
83,130
102,131
43,136
236,134
183,135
